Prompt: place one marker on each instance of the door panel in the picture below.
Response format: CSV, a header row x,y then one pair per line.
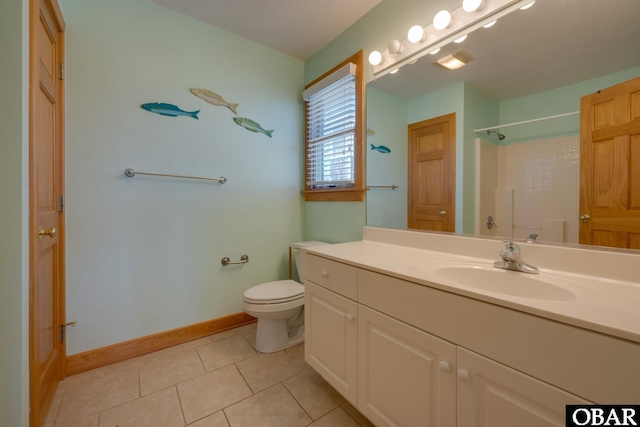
x,y
400,380
498,396
610,166
331,345
46,173
432,174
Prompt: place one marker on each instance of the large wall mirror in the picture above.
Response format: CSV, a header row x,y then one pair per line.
x,y
532,64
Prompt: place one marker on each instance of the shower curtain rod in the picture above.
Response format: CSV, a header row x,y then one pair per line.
x,y
528,121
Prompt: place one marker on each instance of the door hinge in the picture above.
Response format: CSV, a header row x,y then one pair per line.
x,y
61,71
63,328
60,203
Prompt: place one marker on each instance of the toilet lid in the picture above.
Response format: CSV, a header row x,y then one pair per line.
x,y
278,291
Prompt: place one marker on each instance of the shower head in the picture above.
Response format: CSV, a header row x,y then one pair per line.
x,y
500,136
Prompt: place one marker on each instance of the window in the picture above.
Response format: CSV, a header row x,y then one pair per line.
x,y
333,134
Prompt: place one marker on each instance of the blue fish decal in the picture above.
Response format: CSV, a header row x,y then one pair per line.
x,y
168,110
249,124
381,149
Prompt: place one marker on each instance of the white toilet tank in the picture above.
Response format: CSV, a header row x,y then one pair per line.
x,y
299,249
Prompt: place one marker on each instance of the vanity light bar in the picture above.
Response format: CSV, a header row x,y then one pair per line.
x,y
463,23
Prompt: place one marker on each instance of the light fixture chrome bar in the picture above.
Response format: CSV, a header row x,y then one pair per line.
x,y
131,173
464,23
527,121
393,187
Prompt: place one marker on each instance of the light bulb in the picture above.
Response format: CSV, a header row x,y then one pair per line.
x,y
461,39
490,24
527,6
433,52
375,58
416,34
472,5
394,47
442,20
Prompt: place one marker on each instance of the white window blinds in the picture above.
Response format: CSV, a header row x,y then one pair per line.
x,y
331,124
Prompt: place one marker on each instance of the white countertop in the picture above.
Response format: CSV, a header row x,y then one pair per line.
x,y
602,304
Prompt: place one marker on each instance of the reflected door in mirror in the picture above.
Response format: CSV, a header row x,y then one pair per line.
x,y
610,166
431,187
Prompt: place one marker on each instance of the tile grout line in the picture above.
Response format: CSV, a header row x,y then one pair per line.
x,y
184,418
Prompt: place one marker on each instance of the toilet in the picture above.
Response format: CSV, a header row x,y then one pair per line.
x,y
279,307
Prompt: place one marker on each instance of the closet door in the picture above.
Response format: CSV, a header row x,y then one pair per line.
x,y
46,221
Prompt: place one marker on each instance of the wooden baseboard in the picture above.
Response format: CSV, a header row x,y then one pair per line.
x,y
81,362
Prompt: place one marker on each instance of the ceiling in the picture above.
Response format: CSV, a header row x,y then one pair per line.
x,y
552,44
299,28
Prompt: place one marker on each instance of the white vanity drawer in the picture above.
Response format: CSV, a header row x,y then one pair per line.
x,y
335,276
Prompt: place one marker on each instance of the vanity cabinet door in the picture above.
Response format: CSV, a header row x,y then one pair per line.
x,y
493,395
406,377
330,345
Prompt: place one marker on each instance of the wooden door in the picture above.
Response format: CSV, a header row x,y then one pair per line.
x,y
610,166
46,173
432,174
406,377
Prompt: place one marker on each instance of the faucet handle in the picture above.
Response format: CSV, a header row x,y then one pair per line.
x,y
511,247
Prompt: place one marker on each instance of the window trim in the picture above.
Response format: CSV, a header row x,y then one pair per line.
x,y
357,192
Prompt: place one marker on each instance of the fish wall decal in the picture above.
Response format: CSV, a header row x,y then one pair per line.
x,y
381,149
168,110
214,99
249,124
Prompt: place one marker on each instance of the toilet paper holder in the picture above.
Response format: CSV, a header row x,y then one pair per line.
x,y
227,261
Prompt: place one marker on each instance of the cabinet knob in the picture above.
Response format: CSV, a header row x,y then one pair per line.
x,y
325,273
350,317
444,366
463,375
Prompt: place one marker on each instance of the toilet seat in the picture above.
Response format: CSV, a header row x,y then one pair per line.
x,y
277,292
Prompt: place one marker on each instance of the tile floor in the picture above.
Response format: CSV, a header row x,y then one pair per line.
x,y
216,381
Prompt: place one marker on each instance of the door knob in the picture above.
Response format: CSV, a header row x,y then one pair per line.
x,y
585,218
50,232
443,213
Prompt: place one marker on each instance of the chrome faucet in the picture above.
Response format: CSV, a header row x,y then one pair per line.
x,y
511,259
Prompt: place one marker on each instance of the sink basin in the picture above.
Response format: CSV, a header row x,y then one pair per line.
x,y
507,282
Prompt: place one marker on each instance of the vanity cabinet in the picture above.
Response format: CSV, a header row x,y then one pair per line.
x,y
491,394
330,344
406,377
406,354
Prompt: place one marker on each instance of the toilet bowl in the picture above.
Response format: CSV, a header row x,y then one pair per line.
x,y
279,307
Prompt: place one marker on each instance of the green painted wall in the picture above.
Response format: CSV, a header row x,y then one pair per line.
x,y
149,248
14,184
387,118
478,111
